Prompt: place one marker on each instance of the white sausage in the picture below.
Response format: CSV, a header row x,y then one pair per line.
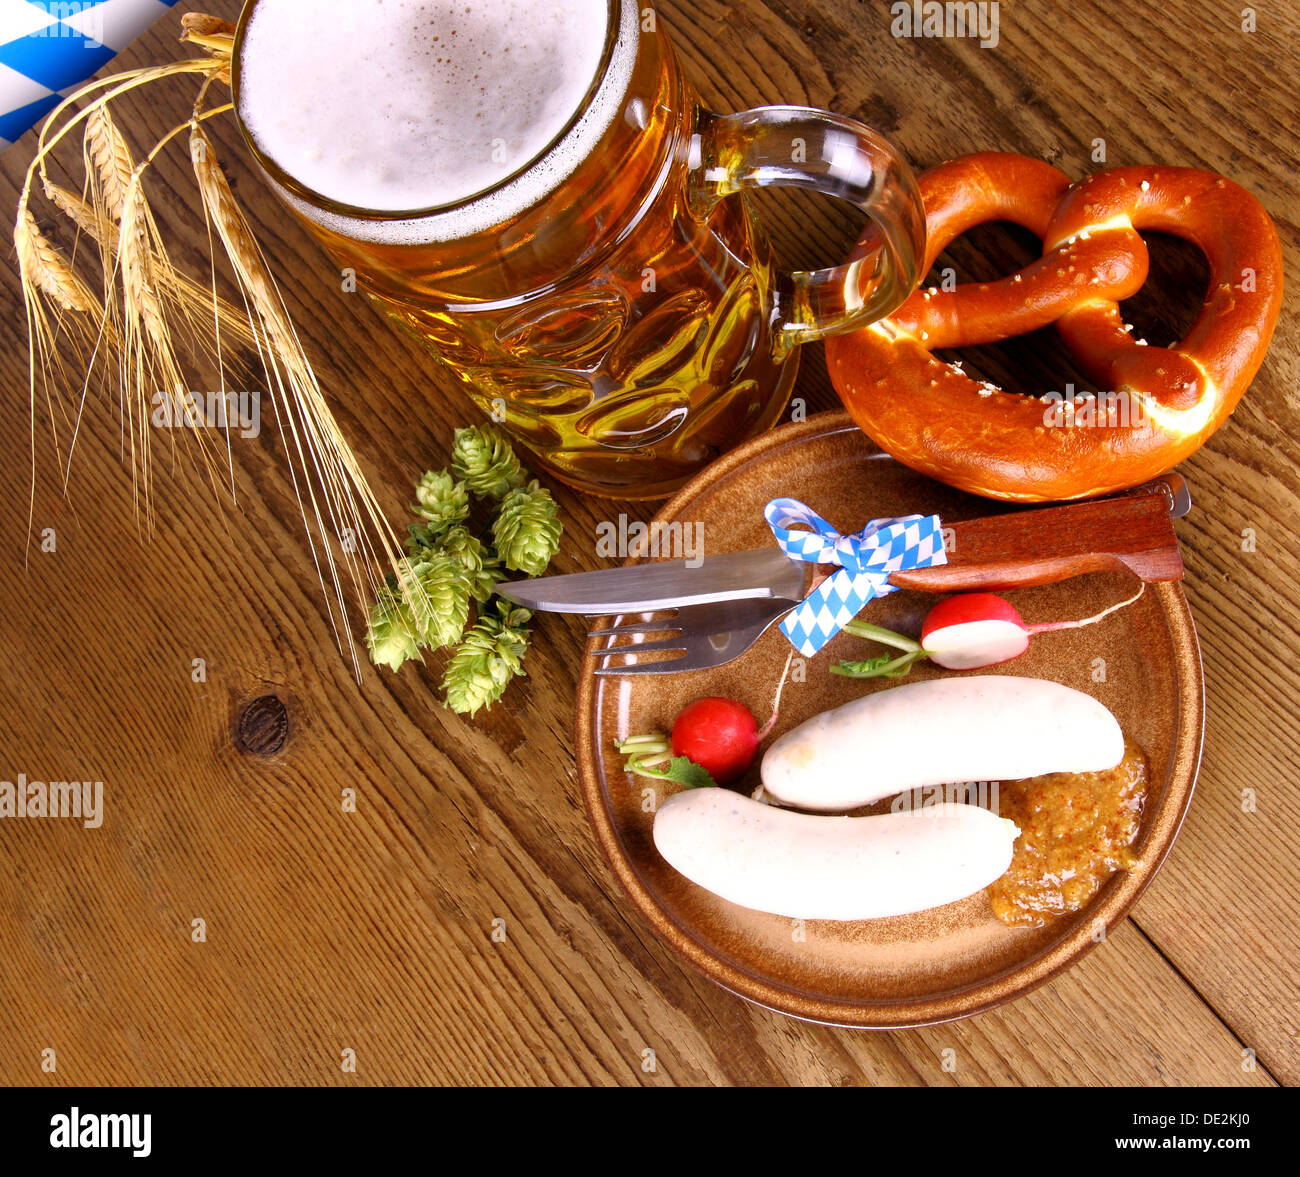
x,y
810,866
983,727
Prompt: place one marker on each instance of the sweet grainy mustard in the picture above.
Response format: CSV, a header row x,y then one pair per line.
x,y
1076,830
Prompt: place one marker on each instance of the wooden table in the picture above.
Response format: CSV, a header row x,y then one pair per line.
x,y
372,931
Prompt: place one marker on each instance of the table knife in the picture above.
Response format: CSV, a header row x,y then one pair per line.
x,y
1132,531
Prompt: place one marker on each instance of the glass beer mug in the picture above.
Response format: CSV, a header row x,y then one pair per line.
x,y
602,289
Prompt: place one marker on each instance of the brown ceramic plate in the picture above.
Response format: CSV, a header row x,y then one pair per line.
x,y
936,965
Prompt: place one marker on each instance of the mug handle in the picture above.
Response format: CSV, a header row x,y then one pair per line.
x,y
799,147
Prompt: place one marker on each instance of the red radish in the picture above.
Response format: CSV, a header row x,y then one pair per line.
x,y
965,632
720,735
980,629
974,629
716,734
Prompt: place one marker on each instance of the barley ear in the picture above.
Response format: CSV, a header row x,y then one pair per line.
x,y
113,166
198,28
135,256
43,267
213,34
80,212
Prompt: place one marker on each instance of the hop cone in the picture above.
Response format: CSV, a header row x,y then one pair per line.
x,y
485,662
437,597
441,502
421,537
479,565
527,529
391,634
482,458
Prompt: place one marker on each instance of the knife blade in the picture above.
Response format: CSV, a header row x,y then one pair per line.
x,y
735,576
1133,530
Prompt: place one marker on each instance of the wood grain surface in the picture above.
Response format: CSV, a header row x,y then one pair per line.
x,y
372,931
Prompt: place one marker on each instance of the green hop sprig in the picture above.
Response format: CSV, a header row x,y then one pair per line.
x,y
441,502
422,537
482,459
391,635
426,603
479,564
490,656
527,529
437,596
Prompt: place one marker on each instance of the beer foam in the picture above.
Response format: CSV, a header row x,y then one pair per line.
x,y
390,105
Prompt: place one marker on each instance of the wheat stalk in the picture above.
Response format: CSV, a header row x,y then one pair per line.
x,y
135,252
113,166
174,291
215,35
194,301
148,303
44,267
301,408
46,278
57,325
76,208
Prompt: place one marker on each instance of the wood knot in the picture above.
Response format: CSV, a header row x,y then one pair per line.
x,y
263,726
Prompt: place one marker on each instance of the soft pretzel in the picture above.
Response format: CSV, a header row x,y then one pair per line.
x,y
1158,405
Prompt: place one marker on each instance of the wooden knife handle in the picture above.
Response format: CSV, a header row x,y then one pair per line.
x,y
1023,548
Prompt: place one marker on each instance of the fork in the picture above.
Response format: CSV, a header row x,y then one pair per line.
x,y
703,636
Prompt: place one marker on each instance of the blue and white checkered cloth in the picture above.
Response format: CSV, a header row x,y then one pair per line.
x,y
49,47
866,559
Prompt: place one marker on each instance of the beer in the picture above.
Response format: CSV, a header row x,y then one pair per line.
x,y
532,188
417,104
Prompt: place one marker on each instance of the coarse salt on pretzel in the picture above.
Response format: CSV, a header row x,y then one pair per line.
x,y
1155,405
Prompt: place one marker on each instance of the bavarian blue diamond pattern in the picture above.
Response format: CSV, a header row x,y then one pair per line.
x,y
866,558
49,47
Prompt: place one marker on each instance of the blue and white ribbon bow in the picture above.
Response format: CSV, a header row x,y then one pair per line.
x,y
866,559
49,47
